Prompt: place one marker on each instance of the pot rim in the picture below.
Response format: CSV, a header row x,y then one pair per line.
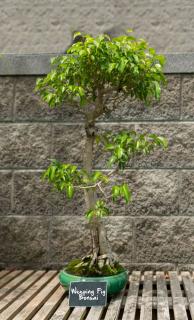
x,y
96,277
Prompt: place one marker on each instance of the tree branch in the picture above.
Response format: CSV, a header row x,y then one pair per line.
x,y
97,184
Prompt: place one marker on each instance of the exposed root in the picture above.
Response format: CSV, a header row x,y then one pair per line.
x,y
94,265
100,261
94,260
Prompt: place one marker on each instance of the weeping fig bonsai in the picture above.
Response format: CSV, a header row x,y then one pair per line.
x,y
95,76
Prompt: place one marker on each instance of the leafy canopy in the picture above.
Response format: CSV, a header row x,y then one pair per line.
x,y
95,66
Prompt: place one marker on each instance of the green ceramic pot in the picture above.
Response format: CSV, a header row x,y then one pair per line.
x,y
114,283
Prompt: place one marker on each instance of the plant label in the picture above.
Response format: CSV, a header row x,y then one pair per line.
x,y
88,293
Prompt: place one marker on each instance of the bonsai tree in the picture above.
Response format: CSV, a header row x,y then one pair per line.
x,y
94,77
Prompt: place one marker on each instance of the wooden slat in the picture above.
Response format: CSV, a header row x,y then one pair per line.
x,y
37,302
50,305
162,297
4,273
146,307
155,303
189,289
177,298
131,300
114,307
10,276
167,279
13,295
78,313
63,311
14,283
95,313
10,312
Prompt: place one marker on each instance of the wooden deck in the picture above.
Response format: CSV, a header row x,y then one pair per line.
x,y
37,295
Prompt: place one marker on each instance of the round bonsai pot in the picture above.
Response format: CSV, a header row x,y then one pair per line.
x,y
114,283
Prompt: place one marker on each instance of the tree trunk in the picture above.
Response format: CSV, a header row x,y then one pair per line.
x,y
90,195
100,245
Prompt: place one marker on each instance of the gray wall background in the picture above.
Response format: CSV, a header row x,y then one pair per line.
x,y
39,228
46,26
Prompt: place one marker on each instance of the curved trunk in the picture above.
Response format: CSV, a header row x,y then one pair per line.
x,y
100,245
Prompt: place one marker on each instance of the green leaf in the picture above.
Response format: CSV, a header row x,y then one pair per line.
x,y
157,90
96,176
49,97
110,146
76,34
112,160
126,192
129,30
52,173
62,186
163,141
122,65
119,152
161,59
70,191
115,192
111,67
81,91
152,51
89,214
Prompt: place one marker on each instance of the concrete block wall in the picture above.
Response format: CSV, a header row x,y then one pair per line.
x,y
47,25
40,229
